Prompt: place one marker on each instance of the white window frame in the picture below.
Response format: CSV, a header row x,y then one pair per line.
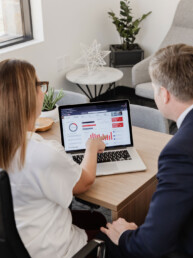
x,y
26,23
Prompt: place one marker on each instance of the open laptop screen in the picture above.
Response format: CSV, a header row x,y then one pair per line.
x,y
80,122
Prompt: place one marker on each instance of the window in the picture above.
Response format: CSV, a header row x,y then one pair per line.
x,y
15,22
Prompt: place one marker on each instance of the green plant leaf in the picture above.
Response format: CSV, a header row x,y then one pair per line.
x,y
126,27
50,100
144,16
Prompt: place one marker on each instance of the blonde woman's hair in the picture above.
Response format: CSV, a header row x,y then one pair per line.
x,y
18,108
172,68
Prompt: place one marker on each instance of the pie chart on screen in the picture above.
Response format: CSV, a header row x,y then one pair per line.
x,y
73,127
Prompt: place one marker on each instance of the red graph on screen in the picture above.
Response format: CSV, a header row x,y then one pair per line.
x,y
108,136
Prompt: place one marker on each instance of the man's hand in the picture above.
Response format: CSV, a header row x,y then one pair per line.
x,y
114,230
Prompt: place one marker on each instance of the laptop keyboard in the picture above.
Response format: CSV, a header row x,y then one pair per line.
x,y
106,156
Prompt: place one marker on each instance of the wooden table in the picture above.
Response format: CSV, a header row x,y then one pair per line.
x,y
126,195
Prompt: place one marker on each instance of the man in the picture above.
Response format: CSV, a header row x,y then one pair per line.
x,y
168,227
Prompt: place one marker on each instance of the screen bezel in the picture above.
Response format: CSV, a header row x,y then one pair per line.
x,y
60,108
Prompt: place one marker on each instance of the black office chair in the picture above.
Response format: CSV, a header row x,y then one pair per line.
x,y
11,245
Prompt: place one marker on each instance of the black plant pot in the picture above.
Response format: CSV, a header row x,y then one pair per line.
x,y
124,58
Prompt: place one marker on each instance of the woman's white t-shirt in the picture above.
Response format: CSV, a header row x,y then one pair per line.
x,y
42,193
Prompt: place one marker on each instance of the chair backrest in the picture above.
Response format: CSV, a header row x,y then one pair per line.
x,y
181,30
148,118
71,97
11,245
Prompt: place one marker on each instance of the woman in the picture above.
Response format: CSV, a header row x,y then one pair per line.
x,y
43,177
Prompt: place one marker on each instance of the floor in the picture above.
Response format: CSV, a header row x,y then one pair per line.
x,y
121,92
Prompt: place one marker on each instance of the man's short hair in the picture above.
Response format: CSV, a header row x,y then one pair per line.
x,y
172,68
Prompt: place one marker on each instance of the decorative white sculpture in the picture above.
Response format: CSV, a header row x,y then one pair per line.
x,y
92,57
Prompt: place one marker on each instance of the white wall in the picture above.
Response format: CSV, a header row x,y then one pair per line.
x,y
157,24
153,28
66,23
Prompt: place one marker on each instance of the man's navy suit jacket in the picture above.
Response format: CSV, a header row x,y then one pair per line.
x,y
168,226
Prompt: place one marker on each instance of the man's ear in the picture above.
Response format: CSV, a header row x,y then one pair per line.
x,y
165,95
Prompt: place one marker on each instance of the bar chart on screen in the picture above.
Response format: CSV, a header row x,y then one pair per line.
x,y
108,136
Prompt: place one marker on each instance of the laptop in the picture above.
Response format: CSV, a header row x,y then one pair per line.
x,y
90,120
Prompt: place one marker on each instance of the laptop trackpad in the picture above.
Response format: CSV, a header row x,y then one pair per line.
x,y
106,168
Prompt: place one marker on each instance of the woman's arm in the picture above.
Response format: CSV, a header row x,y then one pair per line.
x,y
89,163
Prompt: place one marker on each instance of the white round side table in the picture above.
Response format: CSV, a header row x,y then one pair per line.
x,y
99,77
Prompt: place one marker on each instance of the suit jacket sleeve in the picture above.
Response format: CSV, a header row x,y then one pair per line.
x,y
169,209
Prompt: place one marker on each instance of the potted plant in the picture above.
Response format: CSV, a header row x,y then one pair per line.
x,y
128,53
50,108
